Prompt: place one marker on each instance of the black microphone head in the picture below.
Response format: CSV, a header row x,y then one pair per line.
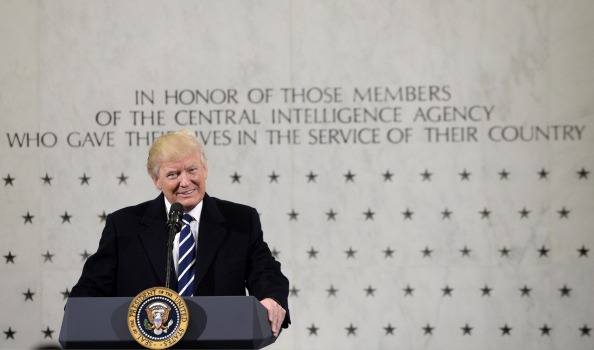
x,y
176,208
175,216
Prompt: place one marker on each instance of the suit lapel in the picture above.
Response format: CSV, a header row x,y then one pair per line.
x,y
154,237
211,234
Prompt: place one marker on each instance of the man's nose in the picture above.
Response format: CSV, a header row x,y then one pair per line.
x,y
184,179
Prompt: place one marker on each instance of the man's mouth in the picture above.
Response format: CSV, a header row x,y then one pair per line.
x,y
186,193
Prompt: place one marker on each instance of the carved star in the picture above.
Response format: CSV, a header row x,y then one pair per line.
x,y
47,333
9,333
351,330
47,180
65,294
428,329
293,215
464,175
235,178
505,330
524,213
408,291
389,329
466,330
349,176
331,215
503,175
504,252
313,330
426,175
387,176
294,291
388,253
273,177
543,252
28,295
311,177
331,291
407,214
312,253
583,173
122,179
66,217
9,258
85,255
369,214
543,174
545,330
563,213
8,180
565,291
28,218
446,214
485,213
447,291
583,251
275,253
369,291
102,216
426,252
84,180
465,251
585,330
350,253
486,290
47,256
525,291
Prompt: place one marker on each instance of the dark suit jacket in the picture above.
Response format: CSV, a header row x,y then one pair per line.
x,y
232,255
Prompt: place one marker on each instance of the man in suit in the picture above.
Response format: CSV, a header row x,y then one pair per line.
x,y
231,254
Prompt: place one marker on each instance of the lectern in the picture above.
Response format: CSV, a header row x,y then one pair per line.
x,y
236,322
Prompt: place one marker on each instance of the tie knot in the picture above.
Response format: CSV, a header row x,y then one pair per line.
x,y
187,218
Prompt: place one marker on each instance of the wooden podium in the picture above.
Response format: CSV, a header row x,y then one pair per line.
x,y
236,322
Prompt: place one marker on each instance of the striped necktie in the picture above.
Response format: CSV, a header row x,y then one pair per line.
x,y
187,259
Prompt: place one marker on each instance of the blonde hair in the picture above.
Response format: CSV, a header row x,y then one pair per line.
x,y
171,147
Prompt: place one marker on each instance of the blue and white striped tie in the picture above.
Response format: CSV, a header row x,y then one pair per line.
x,y
187,259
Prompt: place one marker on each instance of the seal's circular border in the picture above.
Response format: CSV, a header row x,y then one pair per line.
x,y
136,316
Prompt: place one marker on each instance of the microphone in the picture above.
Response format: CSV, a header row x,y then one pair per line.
x,y
175,216
173,226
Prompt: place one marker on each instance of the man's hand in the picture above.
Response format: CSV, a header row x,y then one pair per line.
x,y
276,314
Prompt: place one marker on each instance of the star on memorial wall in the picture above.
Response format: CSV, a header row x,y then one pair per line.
x,y
543,174
426,252
407,214
486,290
275,253
583,174
65,294
350,253
563,213
524,213
504,252
122,179
102,216
525,291
28,218
9,334
313,330
408,291
368,214
349,177
583,251
505,330
235,178
273,177
351,330
447,291
294,291
47,256
84,180
47,333
9,258
331,215
428,330
311,177
465,251
387,176
388,252
369,291
503,175
66,217
545,330
8,180
293,215
543,252
446,214
466,330
47,180
565,291
585,330
485,213
389,329
331,291
28,294
84,255
426,175
464,175
312,253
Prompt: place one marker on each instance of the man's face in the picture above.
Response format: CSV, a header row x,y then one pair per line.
x,y
183,181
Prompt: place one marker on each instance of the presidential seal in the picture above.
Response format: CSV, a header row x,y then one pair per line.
x,y
158,318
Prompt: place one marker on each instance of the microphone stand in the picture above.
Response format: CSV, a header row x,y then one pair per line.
x,y
173,228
